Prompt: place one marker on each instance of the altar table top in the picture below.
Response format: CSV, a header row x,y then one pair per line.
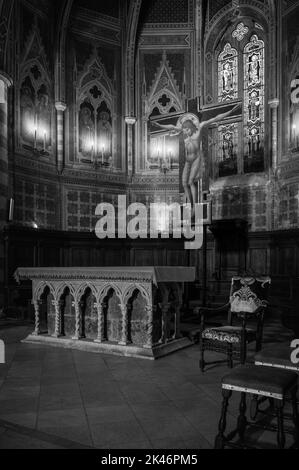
x,y
158,274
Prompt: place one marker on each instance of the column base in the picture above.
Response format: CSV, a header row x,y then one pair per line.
x,y
77,338
124,343
57,335
100,341
36,333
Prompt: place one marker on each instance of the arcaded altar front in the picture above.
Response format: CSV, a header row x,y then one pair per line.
x,y
127,311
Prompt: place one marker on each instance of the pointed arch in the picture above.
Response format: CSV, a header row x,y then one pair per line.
x,y
61,34
164,84
6,9
95,113
133,18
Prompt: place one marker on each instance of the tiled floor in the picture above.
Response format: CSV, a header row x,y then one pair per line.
x,y
56,398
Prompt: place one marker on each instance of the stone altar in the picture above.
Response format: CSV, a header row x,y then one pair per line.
x,y
124,311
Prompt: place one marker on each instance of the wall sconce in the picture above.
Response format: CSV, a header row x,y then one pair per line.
x,y
39,134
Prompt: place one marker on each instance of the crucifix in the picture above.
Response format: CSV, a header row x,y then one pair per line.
x,y
190,127
194,174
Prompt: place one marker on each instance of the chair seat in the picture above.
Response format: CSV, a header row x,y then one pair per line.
x,y
228,334
260,381
278,357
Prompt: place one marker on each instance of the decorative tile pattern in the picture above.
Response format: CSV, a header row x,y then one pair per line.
x,y
36,203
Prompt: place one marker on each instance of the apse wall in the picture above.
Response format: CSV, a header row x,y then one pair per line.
x,y
54,188
74,70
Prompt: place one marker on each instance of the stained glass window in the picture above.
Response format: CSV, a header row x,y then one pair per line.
x,y
228,74
228,150
254,105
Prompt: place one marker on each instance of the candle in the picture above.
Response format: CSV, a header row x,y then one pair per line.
x,y
103,150
45,140
35,130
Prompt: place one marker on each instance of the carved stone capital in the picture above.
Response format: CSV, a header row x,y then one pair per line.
x,y
60,106
274,103
6,79
130,120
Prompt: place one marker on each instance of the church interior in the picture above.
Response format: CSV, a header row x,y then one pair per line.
x,y
151,104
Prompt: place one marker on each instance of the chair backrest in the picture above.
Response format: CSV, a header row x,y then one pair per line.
x,y
248,294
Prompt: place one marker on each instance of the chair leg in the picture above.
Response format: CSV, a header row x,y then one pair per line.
x,y
281,439
243,352
230,363
202,356
254,407
220,439
242,420
295,417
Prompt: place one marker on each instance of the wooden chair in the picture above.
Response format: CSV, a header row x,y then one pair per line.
x,y
248,301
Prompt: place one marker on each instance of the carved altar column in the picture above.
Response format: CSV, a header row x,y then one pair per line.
x,y
60,108
5,83
125,326
37,305
101,322
57,306
149,327
78,327
274,142
130,121
165,323
178,306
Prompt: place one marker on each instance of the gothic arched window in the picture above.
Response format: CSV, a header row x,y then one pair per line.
x,y
228,74
241,75
254,105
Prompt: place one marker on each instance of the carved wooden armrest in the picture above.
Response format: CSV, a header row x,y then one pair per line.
x,y
249,315
205,310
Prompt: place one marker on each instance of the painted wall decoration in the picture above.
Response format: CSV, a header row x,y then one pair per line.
x,y
35,110
164,98
94,114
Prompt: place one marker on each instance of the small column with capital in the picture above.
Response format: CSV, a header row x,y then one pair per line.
x,y
165,323
60,108
57,306
130,121
125,326
101,323
78,327
274,107
149,327
37,304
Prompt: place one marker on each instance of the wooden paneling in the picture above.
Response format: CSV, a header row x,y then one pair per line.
x,y
275,254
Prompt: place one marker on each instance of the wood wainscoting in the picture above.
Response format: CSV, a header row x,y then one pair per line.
x,y
272,253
